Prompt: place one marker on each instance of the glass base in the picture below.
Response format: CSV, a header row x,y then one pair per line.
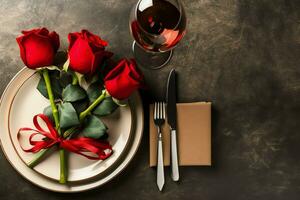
x,y
150,60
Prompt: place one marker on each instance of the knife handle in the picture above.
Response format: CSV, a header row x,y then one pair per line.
x,y
160,179
174,156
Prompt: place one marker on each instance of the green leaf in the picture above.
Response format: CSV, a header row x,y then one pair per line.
x,y
73,93
94,127
65,78
48,112
51,67
80,78
94,91
68,116
41,87
121,103
94,79
81,105
55,85
106,107
66,65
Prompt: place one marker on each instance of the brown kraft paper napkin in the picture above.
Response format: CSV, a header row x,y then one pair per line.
x,y
193,135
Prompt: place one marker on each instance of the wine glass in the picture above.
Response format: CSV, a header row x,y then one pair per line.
x,y
156,26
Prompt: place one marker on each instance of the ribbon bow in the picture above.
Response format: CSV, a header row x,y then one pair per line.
x,y
82,145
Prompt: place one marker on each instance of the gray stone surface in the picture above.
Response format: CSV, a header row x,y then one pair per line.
x,y
243,55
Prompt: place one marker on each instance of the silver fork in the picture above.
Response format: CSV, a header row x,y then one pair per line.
x,y
159,120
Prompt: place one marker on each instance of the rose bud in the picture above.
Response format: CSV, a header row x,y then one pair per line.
x,y
86,52
123,79
38,47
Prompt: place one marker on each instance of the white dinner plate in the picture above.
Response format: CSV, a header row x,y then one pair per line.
x,y
29,102
21,101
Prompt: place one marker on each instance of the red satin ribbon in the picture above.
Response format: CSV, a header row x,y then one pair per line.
x,y
82,145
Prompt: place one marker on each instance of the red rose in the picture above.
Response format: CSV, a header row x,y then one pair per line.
x,y
123,79
86,52
38,47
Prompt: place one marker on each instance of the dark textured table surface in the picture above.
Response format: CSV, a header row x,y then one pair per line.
x,y
243,55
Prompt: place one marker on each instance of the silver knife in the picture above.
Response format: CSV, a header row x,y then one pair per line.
x,y
172,116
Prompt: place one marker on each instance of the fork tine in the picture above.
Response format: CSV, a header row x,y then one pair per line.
x,y
159,112
160,109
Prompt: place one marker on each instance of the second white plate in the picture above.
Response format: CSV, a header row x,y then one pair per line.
x,y
40,180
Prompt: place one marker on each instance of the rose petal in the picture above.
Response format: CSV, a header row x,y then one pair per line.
x,y
86,52
22,49
41,51
72,37
123,80
81,56
37,47
55,40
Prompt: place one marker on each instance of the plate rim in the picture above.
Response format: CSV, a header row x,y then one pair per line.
x,y
84,187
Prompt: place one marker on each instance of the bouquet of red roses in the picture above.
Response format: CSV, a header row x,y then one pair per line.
x,y
81,89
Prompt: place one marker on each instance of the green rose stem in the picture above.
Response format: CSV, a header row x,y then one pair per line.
x,y
51,98
37,157
86,112
63,168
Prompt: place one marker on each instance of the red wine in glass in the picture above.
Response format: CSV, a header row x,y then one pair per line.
x,y
156,26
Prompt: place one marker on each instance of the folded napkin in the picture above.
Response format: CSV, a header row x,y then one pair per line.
x,y
193,135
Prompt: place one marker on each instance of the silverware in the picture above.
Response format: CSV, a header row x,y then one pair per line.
x,y
172,115
159,120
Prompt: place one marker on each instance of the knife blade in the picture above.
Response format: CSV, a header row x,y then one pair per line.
x,y
172,121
